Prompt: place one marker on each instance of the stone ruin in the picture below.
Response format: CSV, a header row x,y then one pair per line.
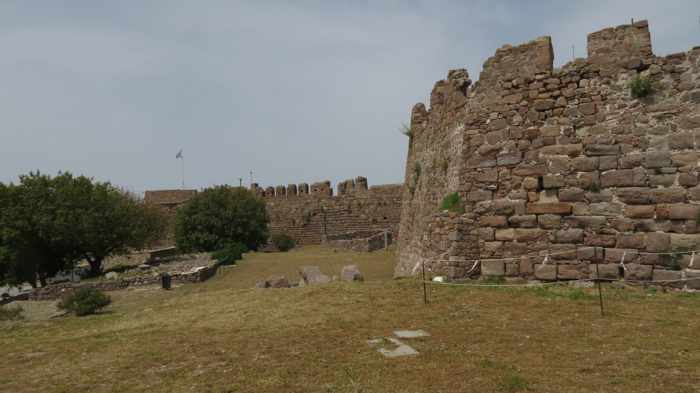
x,y
558,161
309,212
363,241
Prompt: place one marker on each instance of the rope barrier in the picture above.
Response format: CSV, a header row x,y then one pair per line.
x,y
622,261
533,284
546,256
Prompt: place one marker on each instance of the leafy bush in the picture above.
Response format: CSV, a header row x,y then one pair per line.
x,y
84,301
10,314
283,242
230,254
406,130
452,202
640,86
48,223
219,216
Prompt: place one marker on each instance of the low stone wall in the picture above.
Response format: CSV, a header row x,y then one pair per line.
x,y
363,241
52,292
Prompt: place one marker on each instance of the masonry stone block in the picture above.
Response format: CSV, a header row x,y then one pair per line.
x,y
624,178
631,240
529,234
524,221
549,221
684,242
607,271
602,150
572,271
656,159
546,272
667,277
505,234
585,164
667,195
479,195
492,268
692,279
635,271
549,208
640,211
569,236
571,194
494,221
553,181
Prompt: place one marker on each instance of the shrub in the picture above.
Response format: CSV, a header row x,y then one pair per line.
x,y
452,202
230,254
10,314
283,242
640,86
84,301
219,216
406,130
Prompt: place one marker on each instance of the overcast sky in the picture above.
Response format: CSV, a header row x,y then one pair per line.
x,y
297,93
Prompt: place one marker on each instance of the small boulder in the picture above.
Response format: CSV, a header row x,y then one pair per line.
x,y
312,275
351,273
277,282
112,275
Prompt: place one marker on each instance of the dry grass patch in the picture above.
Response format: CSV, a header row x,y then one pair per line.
x,y
224,336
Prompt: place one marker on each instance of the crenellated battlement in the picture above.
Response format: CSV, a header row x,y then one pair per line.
x,y
565,162
322,189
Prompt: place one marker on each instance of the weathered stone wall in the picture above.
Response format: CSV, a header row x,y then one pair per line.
x,y
168,201
561,161
51,292
363,241
308,212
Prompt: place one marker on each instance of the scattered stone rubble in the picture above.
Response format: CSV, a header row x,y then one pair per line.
x,y
312,275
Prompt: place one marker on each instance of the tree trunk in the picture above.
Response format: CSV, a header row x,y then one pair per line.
x,y
42,279
95,266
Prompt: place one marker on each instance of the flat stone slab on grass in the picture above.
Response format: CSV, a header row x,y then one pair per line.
x,y
401,349
411,333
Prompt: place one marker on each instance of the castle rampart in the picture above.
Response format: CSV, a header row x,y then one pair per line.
x,y
561,162
308,212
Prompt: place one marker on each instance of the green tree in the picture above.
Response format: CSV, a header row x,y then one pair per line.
x,y
49,223
220,216
37,227
114,222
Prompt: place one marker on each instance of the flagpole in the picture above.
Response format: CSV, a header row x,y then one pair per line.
x,y
183,171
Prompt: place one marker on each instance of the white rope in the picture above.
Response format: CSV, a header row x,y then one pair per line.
x,y
473,267
454,284
561,253
622,261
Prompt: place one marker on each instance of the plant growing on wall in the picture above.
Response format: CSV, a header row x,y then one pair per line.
x,y
640,86
453,203
406,130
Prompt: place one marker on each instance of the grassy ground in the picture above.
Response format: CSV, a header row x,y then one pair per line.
x,y
224,336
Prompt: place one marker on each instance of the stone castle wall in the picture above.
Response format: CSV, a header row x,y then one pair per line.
x,y
558,161
307,212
